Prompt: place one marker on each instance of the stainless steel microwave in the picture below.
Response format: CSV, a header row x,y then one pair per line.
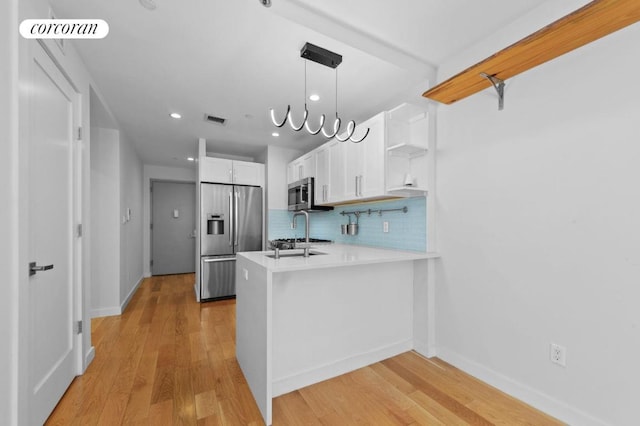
x,y
301,196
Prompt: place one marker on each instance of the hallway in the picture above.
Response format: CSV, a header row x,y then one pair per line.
x,y
166,360
170,360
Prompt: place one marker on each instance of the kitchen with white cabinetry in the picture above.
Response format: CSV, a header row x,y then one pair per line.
x,y
290,332
532,207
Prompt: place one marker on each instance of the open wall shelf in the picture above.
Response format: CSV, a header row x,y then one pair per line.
x,y
406,150
587,24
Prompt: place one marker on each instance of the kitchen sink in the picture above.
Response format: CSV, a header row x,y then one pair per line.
x,y
296,254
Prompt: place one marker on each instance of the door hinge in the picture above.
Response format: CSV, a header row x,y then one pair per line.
x,y
79,133
79,230
151,225
78,327
151,263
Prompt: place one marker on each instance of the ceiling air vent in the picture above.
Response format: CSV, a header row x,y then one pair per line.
x,y
214,119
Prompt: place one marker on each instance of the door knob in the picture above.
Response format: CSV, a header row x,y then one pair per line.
x,y
33,268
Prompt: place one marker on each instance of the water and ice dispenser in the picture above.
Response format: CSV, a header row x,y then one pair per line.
x,y
215,224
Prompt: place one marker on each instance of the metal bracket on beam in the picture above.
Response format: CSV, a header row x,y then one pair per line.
x,y
498,84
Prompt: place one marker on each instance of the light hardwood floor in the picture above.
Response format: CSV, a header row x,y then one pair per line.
x,y
169,360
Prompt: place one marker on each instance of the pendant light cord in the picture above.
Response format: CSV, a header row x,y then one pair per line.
x,y
336,92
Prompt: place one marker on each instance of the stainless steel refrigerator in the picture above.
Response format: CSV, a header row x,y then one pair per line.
x,y
230,222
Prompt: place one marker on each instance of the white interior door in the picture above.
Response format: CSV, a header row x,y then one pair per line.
x,y
51,342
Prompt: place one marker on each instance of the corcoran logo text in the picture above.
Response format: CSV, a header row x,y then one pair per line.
x,y
64,28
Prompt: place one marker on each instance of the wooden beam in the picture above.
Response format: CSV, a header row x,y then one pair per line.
x,y
587,24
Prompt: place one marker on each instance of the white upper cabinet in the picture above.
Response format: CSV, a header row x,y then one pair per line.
x,y
406,146
248,173
390,162
218,170
365,161
322,174
336,178
301,168
222,170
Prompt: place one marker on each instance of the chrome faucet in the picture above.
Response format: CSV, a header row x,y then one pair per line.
x,y
306,232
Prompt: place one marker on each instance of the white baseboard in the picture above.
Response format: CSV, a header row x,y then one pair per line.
x,y
423,348
533,397
324,372
105,312
126,301
116,310
89,356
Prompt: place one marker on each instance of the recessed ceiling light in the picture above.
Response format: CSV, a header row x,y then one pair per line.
x,y
314,97
175,115
275,134
148,4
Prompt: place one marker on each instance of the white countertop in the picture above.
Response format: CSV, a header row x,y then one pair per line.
x,y
334,255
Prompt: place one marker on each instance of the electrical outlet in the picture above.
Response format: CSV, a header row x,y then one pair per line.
x,y
385,226
558,354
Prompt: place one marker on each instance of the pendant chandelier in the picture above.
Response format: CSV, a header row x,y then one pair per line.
x,y
332,60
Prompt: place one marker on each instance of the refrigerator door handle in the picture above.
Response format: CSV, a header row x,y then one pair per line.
x,y
235,219
230,227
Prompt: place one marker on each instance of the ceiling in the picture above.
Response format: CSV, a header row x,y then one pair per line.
x,y
237,59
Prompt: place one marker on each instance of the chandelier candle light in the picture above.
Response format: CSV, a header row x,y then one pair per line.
x,y
332,60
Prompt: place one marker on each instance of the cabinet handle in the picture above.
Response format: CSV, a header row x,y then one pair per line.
x,y
325,192
356,186
300,171
360,186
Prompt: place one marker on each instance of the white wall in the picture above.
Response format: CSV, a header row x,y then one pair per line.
x,y
177,174
105,222
538,226
131,234
276,162
9,215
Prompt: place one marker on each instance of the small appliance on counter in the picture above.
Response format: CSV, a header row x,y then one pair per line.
x,y
230,222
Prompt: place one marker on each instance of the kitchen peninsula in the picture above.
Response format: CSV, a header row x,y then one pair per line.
x,y
303,320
